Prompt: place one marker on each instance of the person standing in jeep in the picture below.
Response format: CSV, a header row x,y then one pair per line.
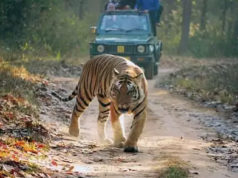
x,y
152,6
111,5
126,4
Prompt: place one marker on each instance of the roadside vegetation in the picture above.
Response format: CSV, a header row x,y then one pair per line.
x,y
175,168
17,80
43,29
174,172
61,29
23,138
204,80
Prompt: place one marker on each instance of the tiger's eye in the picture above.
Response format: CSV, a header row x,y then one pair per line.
x,y
130,92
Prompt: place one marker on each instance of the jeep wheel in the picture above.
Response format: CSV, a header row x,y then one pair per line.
x,y
149,71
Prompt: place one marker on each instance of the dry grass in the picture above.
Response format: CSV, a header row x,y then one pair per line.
x,y
18,82
205,80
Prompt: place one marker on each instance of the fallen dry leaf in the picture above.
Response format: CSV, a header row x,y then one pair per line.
x,y
54,163
70,169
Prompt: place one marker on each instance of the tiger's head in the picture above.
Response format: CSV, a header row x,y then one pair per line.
x,y
126,90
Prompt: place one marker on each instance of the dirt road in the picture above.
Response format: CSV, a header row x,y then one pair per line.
x,y
172,135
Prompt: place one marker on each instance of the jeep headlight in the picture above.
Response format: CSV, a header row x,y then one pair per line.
x,y
141,49
100,48
152,48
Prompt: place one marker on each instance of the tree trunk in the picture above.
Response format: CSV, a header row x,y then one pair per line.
x,y
224,11
235,31
81,9
235,22
187,9
203,15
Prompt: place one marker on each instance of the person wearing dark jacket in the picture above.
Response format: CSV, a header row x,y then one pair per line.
x,y
152,6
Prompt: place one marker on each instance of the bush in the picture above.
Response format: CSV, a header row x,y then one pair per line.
x,y
43,28
212,43
208,83
174,172
169,33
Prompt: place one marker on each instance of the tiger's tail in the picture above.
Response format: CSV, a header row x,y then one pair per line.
x,y
68,98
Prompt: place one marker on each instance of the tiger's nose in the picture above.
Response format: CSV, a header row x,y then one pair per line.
x,y
123,108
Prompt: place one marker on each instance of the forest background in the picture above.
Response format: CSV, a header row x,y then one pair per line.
x,y
60,28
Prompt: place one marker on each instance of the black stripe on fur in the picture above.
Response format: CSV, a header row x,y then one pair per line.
x,y
139,112
104,104
138,105
84,102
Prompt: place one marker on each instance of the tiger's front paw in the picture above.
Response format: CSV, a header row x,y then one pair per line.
x,y
105,141
120,142
74,131
131,149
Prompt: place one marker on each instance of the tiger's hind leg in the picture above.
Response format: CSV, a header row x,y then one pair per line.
x,y
104,109
119,137
74,126
81,104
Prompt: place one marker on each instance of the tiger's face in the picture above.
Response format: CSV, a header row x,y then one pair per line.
x,y
125,91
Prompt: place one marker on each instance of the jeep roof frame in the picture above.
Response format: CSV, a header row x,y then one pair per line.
x,y
126,12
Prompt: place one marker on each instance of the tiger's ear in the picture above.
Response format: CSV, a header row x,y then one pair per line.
x,y
139,76
116,72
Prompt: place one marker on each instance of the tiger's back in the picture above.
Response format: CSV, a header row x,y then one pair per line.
x,y
97,73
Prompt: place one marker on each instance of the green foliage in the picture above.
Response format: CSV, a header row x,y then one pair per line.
x,y
218,38
60,28
174,172
44,28
212,43
168,31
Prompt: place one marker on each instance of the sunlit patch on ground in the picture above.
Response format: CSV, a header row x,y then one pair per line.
x,y
19,72
159,93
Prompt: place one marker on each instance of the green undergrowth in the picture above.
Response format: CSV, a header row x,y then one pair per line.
x,y
174,172
174,168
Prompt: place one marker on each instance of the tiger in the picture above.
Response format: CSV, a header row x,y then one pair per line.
x,y
120,87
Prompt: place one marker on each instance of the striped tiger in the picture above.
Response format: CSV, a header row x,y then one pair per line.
x,y
120,87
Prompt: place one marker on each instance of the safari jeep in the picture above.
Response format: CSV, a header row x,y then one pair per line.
x,y
128,34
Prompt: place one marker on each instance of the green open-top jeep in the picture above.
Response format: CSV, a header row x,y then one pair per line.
x,y
128,34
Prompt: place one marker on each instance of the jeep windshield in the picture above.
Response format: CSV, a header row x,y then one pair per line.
x,y
123,24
